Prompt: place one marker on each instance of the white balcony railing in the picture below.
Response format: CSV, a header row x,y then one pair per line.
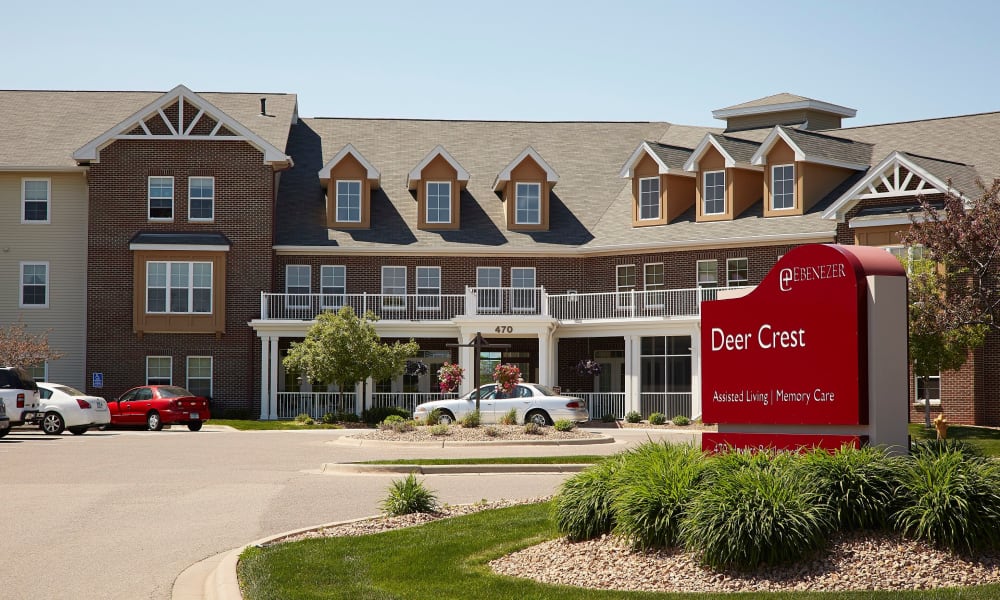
x,y
388,307
603,403
670,404
314,404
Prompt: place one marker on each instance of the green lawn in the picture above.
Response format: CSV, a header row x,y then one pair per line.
x,y
448,559
247,425
986,440
500,460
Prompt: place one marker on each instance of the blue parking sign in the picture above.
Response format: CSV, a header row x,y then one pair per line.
x,y
98,380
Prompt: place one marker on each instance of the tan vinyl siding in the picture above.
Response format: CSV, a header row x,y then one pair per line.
x,y
438,170
816,120
818,180
679,196
62,243
528,171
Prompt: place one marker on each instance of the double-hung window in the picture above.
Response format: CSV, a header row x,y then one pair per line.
x,y
928,389
649,198
332,285
708,273
737,272
393,288
654,284
715,193
349,201
161,198
782,187
35,200
522,279
625,285
298,285
34,285
199,375
159,370
439,202
178,287
528,209
429,288
201,198
488,289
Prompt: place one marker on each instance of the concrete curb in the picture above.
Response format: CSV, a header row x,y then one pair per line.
x,y
353,441
362,469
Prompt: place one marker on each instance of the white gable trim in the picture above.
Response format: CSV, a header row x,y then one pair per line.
x,y
371,171
91,152
627,171
807,104
417,173
504,176
699,151
759,157
887,172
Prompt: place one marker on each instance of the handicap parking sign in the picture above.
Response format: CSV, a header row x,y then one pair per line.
x,y
98,380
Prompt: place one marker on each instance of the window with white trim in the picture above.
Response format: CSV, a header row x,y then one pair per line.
x,y
782,187
737,272
624,284
159,370
439,202
488,281
39,371
298,285
653,282
429,288
178,287
35,200
708,273
201,198
714,193
349,201
931,391
528,207
394,288
199,375
34,285
332,285
161,198
522,279
649,198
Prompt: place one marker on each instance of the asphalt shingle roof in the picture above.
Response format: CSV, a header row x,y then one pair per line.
x,y
829,147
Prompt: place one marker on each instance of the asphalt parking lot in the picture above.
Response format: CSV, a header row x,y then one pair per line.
x,y
119,514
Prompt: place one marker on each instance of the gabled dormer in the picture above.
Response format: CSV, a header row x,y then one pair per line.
x,y
349,180
727,183
438,179
661,189
524,186
802,167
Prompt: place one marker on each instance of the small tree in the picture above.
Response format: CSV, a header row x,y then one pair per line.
x,y
344,348
19,348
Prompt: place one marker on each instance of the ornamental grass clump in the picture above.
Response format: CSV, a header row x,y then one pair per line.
x,y
657,418
633,416
949,497
509,417
655,483
564,425
755,509
582,509
681,421
471,420
439,429
407,496
858,484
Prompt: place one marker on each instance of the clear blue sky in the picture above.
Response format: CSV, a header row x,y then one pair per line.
x,y
523,60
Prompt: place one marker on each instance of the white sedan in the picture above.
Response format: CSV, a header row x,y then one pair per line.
x,y
532,402
63,407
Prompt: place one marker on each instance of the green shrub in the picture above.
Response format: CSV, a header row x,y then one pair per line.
x,y
681,421
407,496
564,425
582,509
509,417
755,508
329,418
949,498
532,428
492,431
347,417
303,418
433,417
378,414
858,484
470,420
654,483
608,418
657,418
439,429
392,419
633,416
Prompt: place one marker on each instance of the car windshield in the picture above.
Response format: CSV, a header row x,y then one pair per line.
x,y
69,391
545,390
170,391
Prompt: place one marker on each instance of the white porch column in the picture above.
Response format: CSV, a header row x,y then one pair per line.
x,y
466,358
545,359
696,373
554,358
265,378
633,379
273,387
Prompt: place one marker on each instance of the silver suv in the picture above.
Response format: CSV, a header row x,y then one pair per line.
x,y
19,393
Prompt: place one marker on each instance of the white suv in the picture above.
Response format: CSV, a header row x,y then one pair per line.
x,y
19,393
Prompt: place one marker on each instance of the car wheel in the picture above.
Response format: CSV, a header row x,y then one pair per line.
x,y
446,418
194,425
52,423
153,421
78,430
538,417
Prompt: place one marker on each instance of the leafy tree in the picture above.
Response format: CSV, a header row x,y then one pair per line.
x,y
345,349
19,348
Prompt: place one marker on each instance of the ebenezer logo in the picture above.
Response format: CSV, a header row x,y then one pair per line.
x,y
790,275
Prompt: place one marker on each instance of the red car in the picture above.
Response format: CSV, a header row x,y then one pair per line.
x,y
159,405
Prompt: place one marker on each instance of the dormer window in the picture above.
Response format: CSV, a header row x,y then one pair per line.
x,y
782,187
649,198
348,201
524,186
438,202
349,180
715,193
437,182
529,206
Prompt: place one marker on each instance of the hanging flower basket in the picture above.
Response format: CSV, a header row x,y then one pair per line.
x,y
506,376
416,367
588,368
450,377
